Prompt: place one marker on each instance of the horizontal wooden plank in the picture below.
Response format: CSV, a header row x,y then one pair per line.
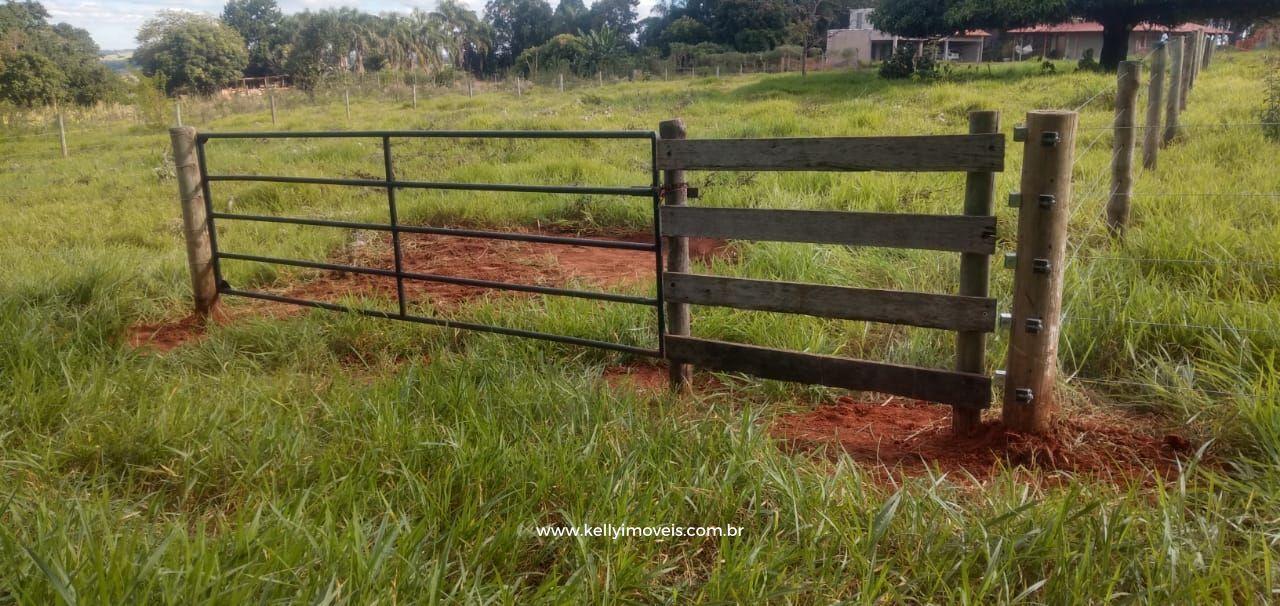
x,y
956,388
948,312
958,233
929,153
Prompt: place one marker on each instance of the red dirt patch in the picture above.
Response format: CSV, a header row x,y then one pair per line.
x,y
640,377
526,263
164,336
906,438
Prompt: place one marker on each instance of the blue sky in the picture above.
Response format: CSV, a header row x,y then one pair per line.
x,y
113,23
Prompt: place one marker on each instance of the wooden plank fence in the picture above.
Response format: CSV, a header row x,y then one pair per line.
x,y
978,154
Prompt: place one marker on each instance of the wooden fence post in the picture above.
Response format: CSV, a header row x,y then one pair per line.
x,y
677,248
470,92
1174,102
562,82
195,221
177,111
975,274
62,136
1048,157
600,78
415,95
346,100
1155,99
1208,52
1126,134
271,98
519,91
1188,58
1200,40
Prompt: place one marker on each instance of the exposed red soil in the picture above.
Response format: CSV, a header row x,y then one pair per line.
x,y
506,261
648,378
902,438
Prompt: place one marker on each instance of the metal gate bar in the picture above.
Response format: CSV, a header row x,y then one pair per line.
x,y
391,184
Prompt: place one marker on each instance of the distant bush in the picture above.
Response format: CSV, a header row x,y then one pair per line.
x,y
148,96
901,64
1270,116
1087,63
904,63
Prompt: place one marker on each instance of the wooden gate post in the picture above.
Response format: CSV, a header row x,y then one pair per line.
x,y
1208,52
676,194
1126,135
195,222
1174,102
1048,157
975,274
271,98
1155,100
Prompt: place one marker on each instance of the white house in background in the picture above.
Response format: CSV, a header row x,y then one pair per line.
x,y
862,43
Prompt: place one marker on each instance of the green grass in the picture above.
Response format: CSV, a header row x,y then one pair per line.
x,y
335,459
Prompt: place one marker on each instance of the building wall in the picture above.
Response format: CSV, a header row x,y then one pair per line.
x,y
1073,45
848,47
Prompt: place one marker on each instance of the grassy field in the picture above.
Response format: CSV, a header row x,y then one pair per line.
x,y
334,459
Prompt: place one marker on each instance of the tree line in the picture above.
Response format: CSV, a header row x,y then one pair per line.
x,y
44,64
253,38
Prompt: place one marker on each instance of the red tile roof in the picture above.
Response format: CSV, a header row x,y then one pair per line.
x,y
1093,27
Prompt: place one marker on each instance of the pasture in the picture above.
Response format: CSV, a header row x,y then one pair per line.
x,y
285,455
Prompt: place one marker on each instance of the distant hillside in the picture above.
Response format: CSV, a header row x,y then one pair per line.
x,y
116,60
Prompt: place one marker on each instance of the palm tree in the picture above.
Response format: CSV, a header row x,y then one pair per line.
x,y
428,39
602,48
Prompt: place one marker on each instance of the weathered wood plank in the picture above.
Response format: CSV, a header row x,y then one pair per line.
x,y
929,232
948,312
947,387
930,153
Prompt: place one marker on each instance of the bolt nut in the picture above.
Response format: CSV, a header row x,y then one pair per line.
x,y
1010,260
1020,133
1034,325
1041,266
1050,139
1047,201
1024,395
1015,200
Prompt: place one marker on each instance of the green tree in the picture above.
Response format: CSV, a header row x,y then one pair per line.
x,y
192,53
517,25
749,25
571,16
618,16
938,18
50,62
259,23
685,30
30,79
